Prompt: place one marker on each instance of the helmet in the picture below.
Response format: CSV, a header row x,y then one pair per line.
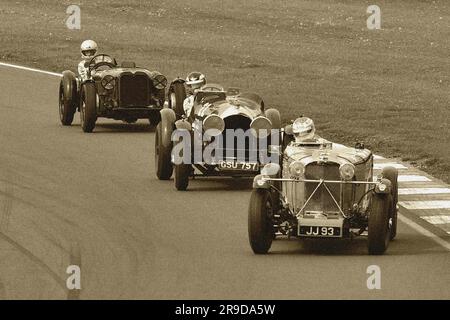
x,y
195,80
88,49
303,128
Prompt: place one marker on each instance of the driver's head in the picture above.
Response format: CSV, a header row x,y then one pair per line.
x,y
88,49
195,80
303,129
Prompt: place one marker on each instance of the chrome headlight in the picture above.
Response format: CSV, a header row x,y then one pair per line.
x,y
108,82
160,82
213,125
296,169
347,171
262,126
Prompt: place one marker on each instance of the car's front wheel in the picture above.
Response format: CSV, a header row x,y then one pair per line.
x,y
391,174
88,107
182,174
379,232
163,145
67,98
177,95
260,229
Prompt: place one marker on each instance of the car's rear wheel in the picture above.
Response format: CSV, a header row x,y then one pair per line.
x,y
391,174
177,95
88,107
67,98
379,233
260,229
182,174
163,145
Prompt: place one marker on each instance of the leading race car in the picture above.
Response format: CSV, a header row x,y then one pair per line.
x,y
216,114
121,92
322,190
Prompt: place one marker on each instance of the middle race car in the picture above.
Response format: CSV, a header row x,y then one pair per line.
x,y
124,92
218,115
322,190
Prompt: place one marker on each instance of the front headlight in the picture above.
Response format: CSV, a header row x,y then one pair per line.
x,y
213,125
262,126
296,169
160,81
347,171
108,82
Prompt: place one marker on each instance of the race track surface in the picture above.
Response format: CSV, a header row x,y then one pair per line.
x,y
67,197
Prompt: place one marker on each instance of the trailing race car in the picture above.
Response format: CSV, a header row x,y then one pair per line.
x,y
121,92
225,118
322,190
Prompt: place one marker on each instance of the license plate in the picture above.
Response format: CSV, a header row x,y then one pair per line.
x,y
239,166
316,231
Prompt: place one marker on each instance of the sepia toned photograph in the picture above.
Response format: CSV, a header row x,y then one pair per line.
x,y
203,152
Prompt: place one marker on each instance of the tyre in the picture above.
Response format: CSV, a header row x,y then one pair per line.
x,y
182,174
391,174
67,98
260,229
88,107
163,145
154,119
379,226
177,94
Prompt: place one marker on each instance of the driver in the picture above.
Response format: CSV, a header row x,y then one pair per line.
x,y
194,81
304,130
88,50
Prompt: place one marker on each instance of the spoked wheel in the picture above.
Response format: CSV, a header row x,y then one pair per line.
x,y
88,107
260,228
379,223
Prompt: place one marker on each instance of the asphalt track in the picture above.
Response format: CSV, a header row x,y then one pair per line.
x,y
93,200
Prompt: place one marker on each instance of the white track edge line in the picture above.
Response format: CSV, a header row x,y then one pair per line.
x,y
30,69
424,231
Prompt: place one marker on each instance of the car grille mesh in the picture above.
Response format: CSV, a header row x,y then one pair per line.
x,y
321,200
134,90
235,122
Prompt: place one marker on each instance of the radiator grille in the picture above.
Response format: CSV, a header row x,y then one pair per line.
x,y
134,90
322,201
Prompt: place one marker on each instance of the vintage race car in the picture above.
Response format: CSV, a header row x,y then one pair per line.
x,y
322,190
221,112
121,92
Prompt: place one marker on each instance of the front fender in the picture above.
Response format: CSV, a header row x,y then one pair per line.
x,y
174,81
260,183
386,182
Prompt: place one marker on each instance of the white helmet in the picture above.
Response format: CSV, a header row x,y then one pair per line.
x,y
195,80
88,49
303,129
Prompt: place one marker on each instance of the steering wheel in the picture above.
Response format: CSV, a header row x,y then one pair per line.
x,y
100,60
